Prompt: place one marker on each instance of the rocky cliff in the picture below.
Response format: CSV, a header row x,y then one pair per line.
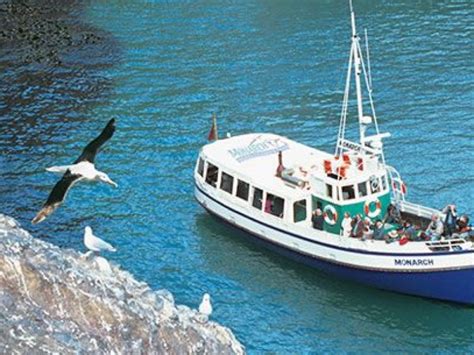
x,y
61,301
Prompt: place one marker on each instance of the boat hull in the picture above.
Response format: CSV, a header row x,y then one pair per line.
x,y
456,285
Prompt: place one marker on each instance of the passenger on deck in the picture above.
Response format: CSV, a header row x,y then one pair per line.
x,y
435,228
280,166
268,205
451,219
346,225
357,227
317,219
463,229
409,230
368,232
378,230
393,215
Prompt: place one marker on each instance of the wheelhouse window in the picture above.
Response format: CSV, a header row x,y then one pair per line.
x,y
227,182
211,174
348,192
257,198
362,187
201,167
384,182
274,205
299,211
329,190
374,184
243,190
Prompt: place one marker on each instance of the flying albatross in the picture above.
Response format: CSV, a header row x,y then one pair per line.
x,y
82,169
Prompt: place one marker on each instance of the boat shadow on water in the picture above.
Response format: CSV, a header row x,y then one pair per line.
x,y
258,269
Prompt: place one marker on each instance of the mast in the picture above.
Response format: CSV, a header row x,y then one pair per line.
x,y
357,72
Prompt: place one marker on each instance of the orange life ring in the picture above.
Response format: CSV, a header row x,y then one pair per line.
x,y
374,213
332,217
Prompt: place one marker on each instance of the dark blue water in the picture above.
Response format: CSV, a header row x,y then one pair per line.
x,y
162,68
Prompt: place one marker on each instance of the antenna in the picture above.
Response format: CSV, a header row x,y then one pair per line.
x,y
368,60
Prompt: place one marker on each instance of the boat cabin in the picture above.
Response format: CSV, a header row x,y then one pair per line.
x,y
289,180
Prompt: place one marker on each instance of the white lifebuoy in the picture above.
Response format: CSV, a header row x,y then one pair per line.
x,y
332,219
374,213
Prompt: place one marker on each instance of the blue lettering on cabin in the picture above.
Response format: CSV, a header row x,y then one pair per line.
x,y
267,147
414,262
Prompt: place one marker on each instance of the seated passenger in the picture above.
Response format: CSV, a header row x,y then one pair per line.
x,y
451,219
357,227
435,228
368,232
393,215
346,225
317,219
392,236
378,233
268,205
463,229
409,230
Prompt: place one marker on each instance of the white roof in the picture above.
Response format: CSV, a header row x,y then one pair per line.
x,y
254,157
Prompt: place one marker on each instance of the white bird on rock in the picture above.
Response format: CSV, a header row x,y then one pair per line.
x,y
82,169
94,243
205,307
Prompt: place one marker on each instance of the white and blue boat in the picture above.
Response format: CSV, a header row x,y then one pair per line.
x,y
270,186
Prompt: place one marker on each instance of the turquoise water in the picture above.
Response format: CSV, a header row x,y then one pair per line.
x,y
162,68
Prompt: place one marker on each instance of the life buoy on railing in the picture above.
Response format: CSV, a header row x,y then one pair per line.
x,y
330,215
368,208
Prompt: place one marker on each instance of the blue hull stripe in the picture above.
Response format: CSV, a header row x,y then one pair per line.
x,y
451,285
432,254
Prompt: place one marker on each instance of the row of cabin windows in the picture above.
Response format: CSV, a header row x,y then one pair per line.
x,y
349,191
274,205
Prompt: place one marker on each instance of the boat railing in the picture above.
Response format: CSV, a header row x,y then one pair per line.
x,y
397,192
449,245
418,210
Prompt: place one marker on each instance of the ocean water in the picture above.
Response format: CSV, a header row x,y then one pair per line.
x,y
162,68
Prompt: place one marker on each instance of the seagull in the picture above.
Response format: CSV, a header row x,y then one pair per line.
x,y
82,169
205,307
94,243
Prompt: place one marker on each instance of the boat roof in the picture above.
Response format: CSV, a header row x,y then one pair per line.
x,y
255,157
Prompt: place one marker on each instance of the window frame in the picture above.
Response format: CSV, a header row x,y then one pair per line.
x,y
223,173
237,190
300,206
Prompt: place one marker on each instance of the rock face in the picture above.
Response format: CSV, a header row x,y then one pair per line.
x,y
61,301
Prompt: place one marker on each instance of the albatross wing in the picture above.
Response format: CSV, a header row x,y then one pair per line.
x,y
90,151
57,196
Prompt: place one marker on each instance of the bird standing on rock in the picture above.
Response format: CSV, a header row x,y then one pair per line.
x,y
82,169
205,307
94,243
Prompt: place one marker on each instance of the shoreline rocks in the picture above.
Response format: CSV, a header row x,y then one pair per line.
x,y
59,300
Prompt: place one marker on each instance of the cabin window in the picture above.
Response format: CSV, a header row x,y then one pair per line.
x,y
274,205
329,190
374,184
384,182
299,211
243,190
201,167
257,198
362,189
227,182
348,192
211,175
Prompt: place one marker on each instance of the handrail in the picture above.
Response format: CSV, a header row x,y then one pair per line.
x,y
456,244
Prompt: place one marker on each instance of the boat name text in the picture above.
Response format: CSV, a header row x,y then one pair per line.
x,y
414,262
254,150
